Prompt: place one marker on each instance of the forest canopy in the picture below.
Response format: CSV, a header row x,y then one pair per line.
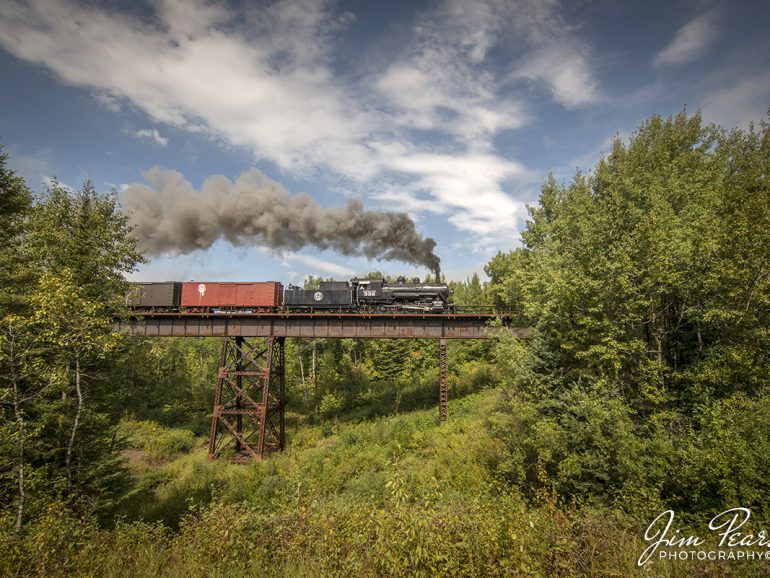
x,y
647,281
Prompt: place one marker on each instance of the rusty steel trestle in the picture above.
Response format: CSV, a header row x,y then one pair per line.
x,y
249,401
248,418
442,381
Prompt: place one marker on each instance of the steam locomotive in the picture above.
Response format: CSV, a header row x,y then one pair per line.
x,y
356,295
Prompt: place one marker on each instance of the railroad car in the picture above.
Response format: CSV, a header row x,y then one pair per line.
x,y
203,295
329,295
161,296
401,296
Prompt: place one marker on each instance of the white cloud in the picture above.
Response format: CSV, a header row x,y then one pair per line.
x,y
409,201
121,188
266,86
439,80
319,266
740,102
266,78
153,135
33,168
564,70
553,55
690,42
50,182
444,80
471,183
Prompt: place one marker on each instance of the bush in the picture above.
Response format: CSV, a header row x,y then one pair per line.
x,y
331,405
158,442
581,446
724,459
474,376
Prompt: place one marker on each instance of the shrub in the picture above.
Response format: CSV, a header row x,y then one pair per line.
x,y
157,441
579,445
724,459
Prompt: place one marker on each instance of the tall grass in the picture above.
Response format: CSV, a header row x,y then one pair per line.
x,y
398,496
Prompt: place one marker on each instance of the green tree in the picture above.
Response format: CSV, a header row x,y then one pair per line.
x,y
22,382
617,270
646,282
470,293
15,204
71,249
19,372
78,335
88,234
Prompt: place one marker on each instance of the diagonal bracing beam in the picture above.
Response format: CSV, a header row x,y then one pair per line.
x,y
248,417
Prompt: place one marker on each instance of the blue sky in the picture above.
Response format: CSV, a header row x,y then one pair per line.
x,y
453,111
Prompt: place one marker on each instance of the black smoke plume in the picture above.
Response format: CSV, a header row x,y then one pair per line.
x,y
170,215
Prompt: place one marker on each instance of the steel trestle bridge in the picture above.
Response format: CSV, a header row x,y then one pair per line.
x,y
248,414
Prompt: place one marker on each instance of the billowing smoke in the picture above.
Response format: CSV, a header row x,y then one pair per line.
x,y
171,215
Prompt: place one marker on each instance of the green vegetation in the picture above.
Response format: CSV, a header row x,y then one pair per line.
x,y
645,387
648,285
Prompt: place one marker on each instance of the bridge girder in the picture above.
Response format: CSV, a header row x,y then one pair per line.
x,y
353,326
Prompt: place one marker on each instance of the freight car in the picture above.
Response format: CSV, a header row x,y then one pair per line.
x,y
356,295
256,296
162,296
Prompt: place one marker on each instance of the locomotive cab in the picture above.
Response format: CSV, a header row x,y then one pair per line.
x,y
368,290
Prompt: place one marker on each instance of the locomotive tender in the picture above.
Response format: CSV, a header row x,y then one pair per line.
x,y
356,295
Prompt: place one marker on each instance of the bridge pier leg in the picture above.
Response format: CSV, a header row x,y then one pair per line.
x,y
249,401
239,387
442,381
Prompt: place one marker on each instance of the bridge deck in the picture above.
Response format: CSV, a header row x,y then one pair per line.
x,y
317,325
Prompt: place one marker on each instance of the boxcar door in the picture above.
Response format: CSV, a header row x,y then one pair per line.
x,y
227,295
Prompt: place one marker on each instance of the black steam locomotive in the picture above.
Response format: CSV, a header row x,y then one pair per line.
x,y
371,295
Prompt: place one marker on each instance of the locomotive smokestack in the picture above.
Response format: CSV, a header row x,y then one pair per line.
x,y
437,272
170,215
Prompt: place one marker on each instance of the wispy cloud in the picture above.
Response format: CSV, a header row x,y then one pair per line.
x,y
153,135
266,86
553,55
690,42
439,80
741,102
472,183
424,117
319,266
52,182
564,69
33,168
444,80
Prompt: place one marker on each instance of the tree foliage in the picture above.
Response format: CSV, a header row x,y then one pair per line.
x,y
69,252
647,284
15,204
652,271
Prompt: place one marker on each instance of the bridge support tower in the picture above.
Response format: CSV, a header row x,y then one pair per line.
x,y
442,381
248,418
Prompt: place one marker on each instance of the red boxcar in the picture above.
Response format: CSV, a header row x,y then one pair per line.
x,y
197,294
